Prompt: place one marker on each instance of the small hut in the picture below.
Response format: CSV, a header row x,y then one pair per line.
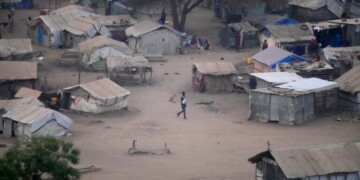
x,y
27,120
342,58
25,92
213,77
15,49
96,97
310,10
330,161
149,37
135,69
93,52
248,35
303,99
266,60
350,90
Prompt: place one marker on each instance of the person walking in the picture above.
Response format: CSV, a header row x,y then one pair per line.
x,y
11,23
183,105
264,45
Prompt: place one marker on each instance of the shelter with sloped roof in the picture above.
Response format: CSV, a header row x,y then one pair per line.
x,y
342,58
310,10
15,49
350,89
26,121
270,79
328,161
267,59
304,99
247,34
213,77
96,96
94,52
149,37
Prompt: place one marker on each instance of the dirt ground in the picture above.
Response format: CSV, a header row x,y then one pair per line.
x,y
213,143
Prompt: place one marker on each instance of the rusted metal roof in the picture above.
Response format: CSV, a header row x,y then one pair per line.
x,y
216,68
102,89
101,41
317,160
27,92
18,70
350,81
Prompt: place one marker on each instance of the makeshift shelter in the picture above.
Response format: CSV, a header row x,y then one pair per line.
x,y
213,77
27,92
270,79
350,32
16,49
327,33
27,121
135,69
342,58
349,90
248,35
259,21
303,99
116,24
149,37
80,11
16,74
266,60
233,11
115,7
330,161
93,52
310,10
292,37
96,97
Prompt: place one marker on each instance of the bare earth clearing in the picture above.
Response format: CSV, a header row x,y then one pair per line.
x,y
213,143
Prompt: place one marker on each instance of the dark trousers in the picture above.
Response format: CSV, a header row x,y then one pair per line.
x,y
182,111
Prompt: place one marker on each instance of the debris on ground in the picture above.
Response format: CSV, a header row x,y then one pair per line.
x,y
172,98
205,102
155,58
3,145
133,150
88,169
345,117
96,122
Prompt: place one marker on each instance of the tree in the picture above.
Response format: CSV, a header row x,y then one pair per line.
x,y
181,8
43,155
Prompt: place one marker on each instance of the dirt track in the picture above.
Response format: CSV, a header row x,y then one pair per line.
x,y
213,143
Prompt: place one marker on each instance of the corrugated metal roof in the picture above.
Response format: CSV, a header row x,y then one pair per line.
x,y
102,89
20,46
27,92
114,63
272,55
319,160
277,77
242,27
216,68
309,85
36,116
291,32
350,81
18,70
145,27
101,41
309,4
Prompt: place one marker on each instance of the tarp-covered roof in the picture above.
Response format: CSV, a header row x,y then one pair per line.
x,y
25,92
277,77
36,116
103,89
10,104
17,46
341,53
114,20
309,85
73,9
216,68
350,81
317,160
114,63
263,19
274,55
242,27
309,4
145,27
291,32
355,21
18,70
101,41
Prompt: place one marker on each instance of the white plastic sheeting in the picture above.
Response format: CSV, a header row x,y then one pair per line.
x,y
309,85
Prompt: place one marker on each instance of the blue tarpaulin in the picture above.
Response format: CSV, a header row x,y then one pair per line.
x,y
286,21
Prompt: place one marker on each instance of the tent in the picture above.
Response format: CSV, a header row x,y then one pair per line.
x,y
213,77
27,121
16,49
80,11
135,69
96,96
266,60
270,79
93,52
350,90
329,161
149,37
303,99
248,35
